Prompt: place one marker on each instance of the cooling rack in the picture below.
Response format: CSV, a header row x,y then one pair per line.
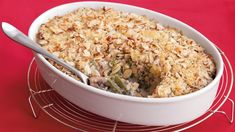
x,y
44,98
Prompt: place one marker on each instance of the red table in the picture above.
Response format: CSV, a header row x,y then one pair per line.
x,y
213,18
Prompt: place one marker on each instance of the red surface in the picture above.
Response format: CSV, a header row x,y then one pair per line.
x,y
213,18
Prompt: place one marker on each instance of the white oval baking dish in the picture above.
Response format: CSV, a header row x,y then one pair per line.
x,y
136,110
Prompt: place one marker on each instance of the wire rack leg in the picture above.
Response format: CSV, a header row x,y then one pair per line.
x,y
32,108
229,118
36,115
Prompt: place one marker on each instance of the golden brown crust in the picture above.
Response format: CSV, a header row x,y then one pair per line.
x,y
159,61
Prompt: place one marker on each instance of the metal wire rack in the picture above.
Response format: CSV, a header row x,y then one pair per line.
x,y
72,116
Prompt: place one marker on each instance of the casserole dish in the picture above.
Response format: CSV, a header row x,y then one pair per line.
x,y
136,110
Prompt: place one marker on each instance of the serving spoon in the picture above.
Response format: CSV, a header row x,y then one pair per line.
x,y
16,35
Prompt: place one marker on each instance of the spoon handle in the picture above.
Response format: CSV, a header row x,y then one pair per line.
x,y
21,38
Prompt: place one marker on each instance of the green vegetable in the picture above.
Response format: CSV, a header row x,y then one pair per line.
x,y
114,86
119,82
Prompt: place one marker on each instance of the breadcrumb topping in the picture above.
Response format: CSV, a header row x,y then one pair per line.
x,y
127,53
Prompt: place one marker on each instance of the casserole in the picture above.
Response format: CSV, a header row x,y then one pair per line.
x,y
137,110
